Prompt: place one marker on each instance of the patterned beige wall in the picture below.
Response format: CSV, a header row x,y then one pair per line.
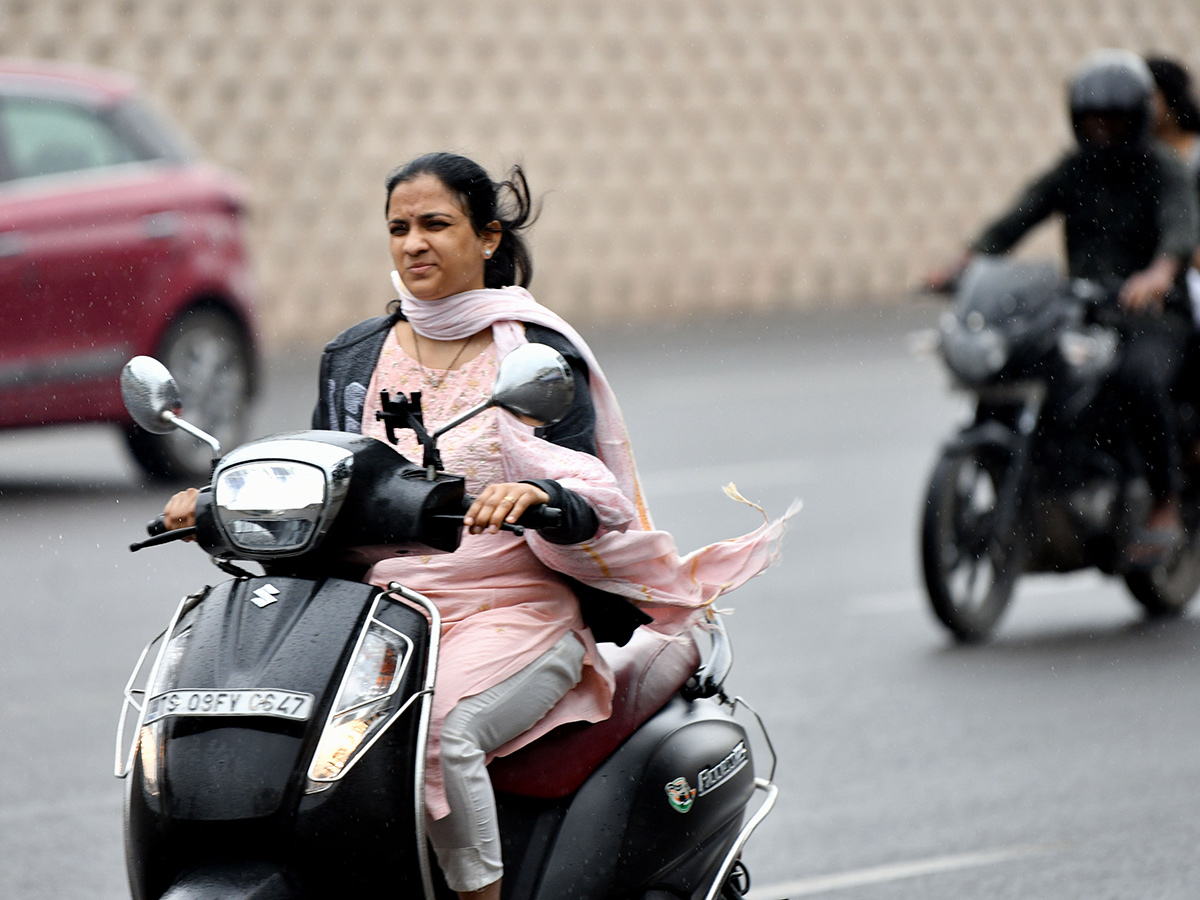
x,y
694,155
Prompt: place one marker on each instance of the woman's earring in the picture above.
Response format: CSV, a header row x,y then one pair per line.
x,y
487,254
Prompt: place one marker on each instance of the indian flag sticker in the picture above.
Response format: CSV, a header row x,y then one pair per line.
x,y
681,795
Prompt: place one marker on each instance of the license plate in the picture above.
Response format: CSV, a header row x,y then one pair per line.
x,y
279,704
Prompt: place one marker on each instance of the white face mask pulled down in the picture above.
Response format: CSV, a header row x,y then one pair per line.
x,y
398,284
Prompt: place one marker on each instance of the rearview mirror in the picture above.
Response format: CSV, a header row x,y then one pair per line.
x,y
150,394
153,400
535,383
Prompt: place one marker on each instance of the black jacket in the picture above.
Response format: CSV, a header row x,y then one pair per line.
x,y
350,358
346,367
1120,211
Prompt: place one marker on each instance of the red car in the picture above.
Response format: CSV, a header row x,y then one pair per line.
x,y
116,240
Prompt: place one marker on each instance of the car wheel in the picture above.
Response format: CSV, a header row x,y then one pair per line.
x,y
209,355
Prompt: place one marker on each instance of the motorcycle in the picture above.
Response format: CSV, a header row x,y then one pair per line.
x,y
272,738
1025,486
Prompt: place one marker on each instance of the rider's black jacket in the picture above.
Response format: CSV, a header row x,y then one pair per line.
x,y
1121,210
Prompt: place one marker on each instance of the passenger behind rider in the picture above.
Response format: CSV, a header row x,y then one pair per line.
x,y
1130,215
1176,123
1176,116
517,656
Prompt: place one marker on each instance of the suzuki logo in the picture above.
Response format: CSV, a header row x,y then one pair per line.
x,y
265,596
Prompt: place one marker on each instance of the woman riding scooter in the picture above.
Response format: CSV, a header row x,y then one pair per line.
x,y
517,656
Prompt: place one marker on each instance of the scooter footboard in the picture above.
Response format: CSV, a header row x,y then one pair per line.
x,y
246,881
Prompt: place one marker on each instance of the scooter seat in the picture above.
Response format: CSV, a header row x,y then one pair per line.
x,y
649,670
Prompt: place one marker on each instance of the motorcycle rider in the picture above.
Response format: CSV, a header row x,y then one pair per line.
x,y
517,656
1130,215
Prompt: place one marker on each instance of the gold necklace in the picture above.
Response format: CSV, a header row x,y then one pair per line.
x,y
429,376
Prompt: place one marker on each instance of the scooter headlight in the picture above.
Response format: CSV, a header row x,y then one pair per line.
x,y
364,703
270,507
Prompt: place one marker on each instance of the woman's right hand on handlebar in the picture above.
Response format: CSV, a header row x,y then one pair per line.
x,y
500,504
180,511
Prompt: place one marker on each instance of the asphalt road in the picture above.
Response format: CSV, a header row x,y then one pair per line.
x,y
1056,762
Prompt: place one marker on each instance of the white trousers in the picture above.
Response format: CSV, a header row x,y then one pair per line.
x,y
467,842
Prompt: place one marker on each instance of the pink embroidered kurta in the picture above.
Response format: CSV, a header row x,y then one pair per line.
x,y
501,607
627,556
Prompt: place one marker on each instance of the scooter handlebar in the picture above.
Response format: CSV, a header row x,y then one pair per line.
x,y
538,517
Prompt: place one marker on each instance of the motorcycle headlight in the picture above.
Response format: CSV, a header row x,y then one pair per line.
x,y
364,703
1089,351
974,354
270,507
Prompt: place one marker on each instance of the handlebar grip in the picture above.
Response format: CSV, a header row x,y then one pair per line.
x,y
536,517
156,526
541,516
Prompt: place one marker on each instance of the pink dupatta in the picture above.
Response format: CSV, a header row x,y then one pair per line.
x,y
627,556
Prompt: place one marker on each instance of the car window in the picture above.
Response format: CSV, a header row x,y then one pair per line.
x,y
156,137
47,137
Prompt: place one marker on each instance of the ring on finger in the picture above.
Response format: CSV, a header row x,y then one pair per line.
x,y
510,499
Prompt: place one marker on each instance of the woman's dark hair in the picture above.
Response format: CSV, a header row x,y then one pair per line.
x,y
485,201
1175,84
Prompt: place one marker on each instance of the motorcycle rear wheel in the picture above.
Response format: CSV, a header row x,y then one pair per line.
x,y
969,575
1165,591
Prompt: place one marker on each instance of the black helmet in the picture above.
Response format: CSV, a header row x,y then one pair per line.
x,y
1115,84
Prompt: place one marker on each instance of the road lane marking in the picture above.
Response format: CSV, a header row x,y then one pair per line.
x,y
59,809
701,479
884,603
807,887
1081,585
1088,581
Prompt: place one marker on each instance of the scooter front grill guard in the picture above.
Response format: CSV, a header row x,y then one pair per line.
x,y
135,698
771,791
435,636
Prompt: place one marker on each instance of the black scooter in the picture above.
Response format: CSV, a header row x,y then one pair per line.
x,y
1025,485
273,737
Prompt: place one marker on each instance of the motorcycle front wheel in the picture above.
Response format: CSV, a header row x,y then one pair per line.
x,y
969,574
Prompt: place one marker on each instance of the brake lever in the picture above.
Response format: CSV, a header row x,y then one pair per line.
x,y
165,537
546,516
518,530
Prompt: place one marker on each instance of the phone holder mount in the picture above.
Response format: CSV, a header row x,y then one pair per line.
x,y
405,412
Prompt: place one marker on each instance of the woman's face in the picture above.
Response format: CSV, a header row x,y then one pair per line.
x,y
434,246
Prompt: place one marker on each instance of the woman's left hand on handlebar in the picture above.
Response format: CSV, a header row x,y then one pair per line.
x,y
501,503
180,511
